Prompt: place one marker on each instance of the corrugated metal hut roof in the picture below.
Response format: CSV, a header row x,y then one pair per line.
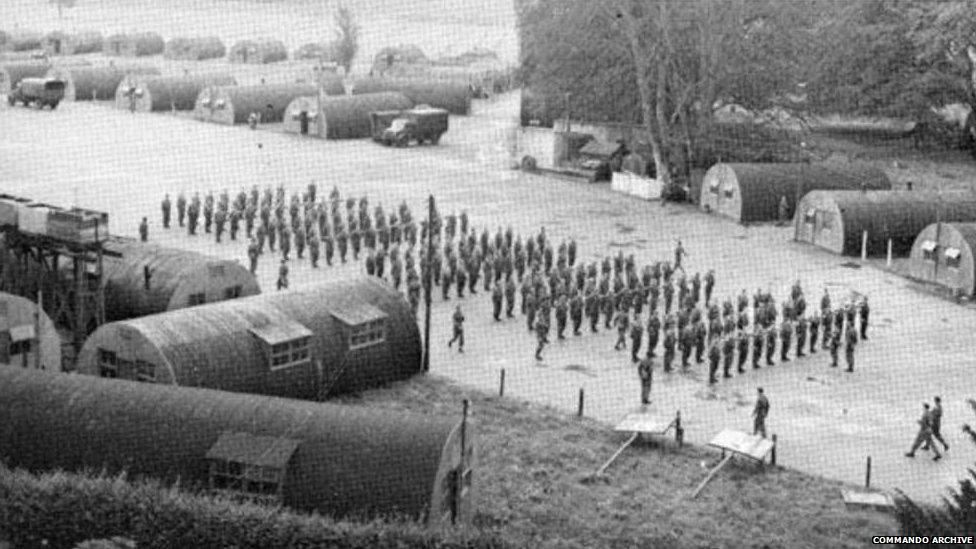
x,y
18,323
945,253
224,345
348,117
452,96
175,275
344,460
12,73
239,101
163,93
258,51
63,43
758,188
195,48
135,44
88,83
895,215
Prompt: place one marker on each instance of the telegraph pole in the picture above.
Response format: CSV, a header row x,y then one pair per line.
x,y
428,281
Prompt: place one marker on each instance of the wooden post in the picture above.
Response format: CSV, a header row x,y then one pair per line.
x,y
772,456
889,253
37,329
867,474
501,384
459,479
579,410
864,246
679,431
428,288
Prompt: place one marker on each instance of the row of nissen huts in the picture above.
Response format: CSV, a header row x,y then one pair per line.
x,y
851,209
167,386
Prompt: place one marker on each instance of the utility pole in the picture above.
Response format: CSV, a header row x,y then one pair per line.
x,y
428,281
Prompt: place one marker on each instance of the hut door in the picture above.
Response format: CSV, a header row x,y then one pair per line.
x,y
303,120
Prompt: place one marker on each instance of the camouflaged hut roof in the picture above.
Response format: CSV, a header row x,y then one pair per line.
x,y
345,460
175,274
220,345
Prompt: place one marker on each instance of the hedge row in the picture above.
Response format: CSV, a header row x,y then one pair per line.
x,y
60,510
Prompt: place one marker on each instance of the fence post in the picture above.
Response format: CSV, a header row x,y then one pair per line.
x,y
867,474
579,410
501,384
864,246
679,431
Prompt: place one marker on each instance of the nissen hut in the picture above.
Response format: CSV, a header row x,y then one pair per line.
x,y
309,456
945,254
340,337
28,338
165,93
89,83
233,104
343,117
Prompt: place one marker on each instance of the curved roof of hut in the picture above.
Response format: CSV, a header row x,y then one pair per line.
x,y
247,99
261,50
102,81
195,48
83,42
180,91
365,461
347,117
125,292
18,70
454,97
214,346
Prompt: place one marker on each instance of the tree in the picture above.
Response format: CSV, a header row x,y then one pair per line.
x,y
62,4
957,512
346,43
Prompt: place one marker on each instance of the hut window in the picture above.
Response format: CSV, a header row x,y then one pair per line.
x,y
108,364
713,187
196,299
145,371
728,193
928,250
249,465
368,334
233,292
290,353
219,104
810,216
286,343
952,256
20,347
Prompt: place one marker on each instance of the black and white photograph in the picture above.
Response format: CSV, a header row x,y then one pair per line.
x,y
482,274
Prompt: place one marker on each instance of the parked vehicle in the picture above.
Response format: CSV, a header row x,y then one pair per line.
x,y
39,91
418,124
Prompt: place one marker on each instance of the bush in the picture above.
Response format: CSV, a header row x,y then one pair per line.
x,y
62,510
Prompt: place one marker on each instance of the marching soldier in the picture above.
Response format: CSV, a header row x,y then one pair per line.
x,y
621,321
814,331
461,277
834,348
562,311
591,303
636,338
342,240
458,323
653,330
313,249
669,343
758,342
497,297
299,241
785,336
709,285
576,311
668,297
166,207
510,291
770,345
252,255
850,343
679,254
208,212
542,333
801,335
284,240
865,310
220,220
714,356
144,230
180,208
686,342
743,345
645,372
370,263
728,350
283,275
235,223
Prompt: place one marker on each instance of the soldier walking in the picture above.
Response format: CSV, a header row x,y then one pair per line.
x,y
709,285
235,223
770,345
529,301
576,312
510,292
542,333
299,241
758,342
645,371
669,343
284,237
679,254
714,355
636,338
591,303
562,312
252,255
865,310
166,207
742,341
329,244
935,417
785,337
180,208
621,322
653,330
497,296
759,414
458,323
924,434
850,343
728,351
283,275
461,278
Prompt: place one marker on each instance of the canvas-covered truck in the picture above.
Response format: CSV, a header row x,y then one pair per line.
x,y
419,124
39,91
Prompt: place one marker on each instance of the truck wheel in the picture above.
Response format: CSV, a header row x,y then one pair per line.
x,y
54,105
403,142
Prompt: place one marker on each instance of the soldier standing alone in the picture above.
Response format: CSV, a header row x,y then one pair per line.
x,y
144,230
283,275
458,324
542,333
645,371
759,414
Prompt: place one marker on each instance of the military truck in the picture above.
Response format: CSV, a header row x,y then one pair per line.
x,y
39,91
419,124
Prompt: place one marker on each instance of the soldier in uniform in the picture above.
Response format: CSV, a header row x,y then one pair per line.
x,y
668,297
770,345
728,353
262,235
446,279
758,342
497,297
679,254
370,263
785,337
193,214
801,335
571,252
396,270
653,291
220,219
299,241
814,330
542,333
576,311
272,234
284,240
621,321
864,310
669,343
166,207
606,302
489,269
850,340
180,208
709,285
636,337
687,343
144,230
562,314
283,275
591,303
458,323
461,278
342,242
645,372
413,293
380,261
355,238
208,212
235,223
827,322
329,244
653,331
529,302
759,414
714,356
510,291
313,248
742,341
252,255
834,348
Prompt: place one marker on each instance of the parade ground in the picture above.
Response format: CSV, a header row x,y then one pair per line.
x,y
827,421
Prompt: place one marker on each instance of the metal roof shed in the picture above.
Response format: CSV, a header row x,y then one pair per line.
x,y
310,456
95,83
751,193
164,93
945,254
339,337
837,220
26,330
233,104
342,117
177,279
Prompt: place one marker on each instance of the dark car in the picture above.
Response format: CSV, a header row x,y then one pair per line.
x,y
39,91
